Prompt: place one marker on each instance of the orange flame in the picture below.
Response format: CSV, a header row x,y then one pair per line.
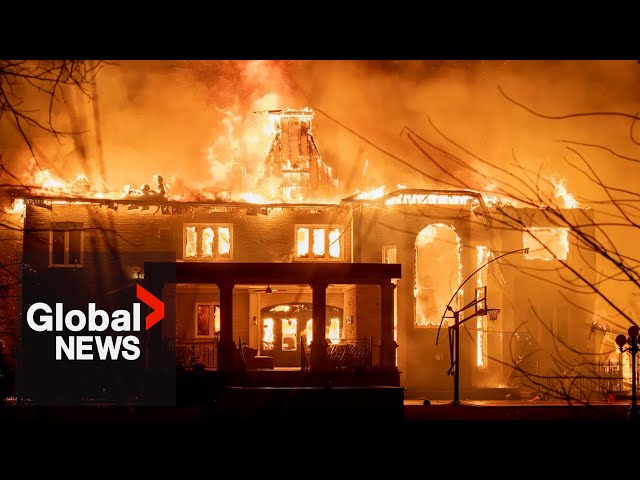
x,y
302,242
309,331
334,330
267,334
371,194
18,206
289,334
565,199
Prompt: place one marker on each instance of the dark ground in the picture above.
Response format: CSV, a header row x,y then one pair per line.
x,y
514,432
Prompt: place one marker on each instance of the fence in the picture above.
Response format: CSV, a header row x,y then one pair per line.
x,y
594,385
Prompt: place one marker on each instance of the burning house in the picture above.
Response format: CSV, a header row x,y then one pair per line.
x,y
282,281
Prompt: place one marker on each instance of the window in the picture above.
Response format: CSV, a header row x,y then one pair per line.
x,y
289,334
267,334
318,242
207,242
390,254
546,243
207,319
438,273
66,244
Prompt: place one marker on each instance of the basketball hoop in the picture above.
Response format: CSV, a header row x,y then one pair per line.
x,y
493,313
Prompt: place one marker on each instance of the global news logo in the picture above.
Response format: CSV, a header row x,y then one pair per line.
x,y
42,318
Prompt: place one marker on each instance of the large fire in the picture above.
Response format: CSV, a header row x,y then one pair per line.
x,y
265,157
268,158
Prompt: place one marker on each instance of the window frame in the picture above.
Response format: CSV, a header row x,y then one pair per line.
x,y
327,229
77,227
216,257
212,310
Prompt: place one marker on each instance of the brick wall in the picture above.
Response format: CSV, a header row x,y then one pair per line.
x,y
256,238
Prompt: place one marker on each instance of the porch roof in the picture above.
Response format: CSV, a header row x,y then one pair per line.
x,y
272,273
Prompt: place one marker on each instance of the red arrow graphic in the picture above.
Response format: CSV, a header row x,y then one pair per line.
x,y
155,303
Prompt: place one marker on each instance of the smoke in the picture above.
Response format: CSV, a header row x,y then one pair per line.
x,y
192,121
189,121
462,99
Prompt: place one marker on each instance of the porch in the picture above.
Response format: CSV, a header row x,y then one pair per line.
x,y
317,351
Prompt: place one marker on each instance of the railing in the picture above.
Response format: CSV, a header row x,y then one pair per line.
x,y
346,355
192,355
598,381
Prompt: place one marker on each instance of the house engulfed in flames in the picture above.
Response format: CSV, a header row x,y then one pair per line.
x,y
273,272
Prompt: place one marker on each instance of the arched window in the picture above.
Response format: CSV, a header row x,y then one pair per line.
x,y
437,272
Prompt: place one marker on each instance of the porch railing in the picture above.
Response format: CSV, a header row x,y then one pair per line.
x,y
195,355
346,355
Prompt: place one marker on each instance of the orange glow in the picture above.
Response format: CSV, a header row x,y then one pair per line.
x,y
480,341
334,330
45,179
281,308
546,243
309,331
371,194
482,257
18,206
253,198
207,242
334,243
302,242
267,334
216,317
224,241
565,199
318,242
428,199
289,334
438,272
190,249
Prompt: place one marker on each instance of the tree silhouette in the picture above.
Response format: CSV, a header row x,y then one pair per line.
x,y
31,92
601,266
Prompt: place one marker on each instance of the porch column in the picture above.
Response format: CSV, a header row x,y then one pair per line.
x,y
226,346
319,342
388,345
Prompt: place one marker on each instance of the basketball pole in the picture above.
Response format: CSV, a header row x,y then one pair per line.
x,y
458,322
